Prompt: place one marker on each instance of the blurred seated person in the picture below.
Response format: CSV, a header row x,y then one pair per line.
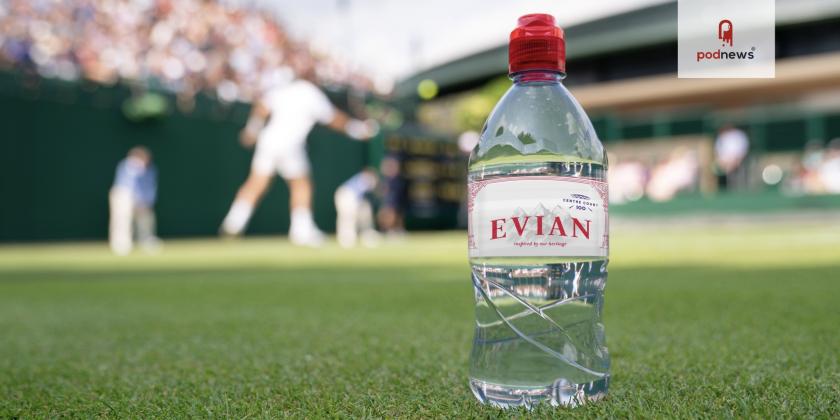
x,y
354,210
626,180
829,169
676,174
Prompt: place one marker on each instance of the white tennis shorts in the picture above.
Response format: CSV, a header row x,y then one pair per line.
x,y
288,162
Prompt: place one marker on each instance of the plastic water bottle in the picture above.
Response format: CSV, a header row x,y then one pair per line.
x,y
538,236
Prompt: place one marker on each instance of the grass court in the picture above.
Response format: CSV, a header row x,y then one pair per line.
x,y
705,320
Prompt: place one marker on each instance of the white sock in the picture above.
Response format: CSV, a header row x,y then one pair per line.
x,y
302,219
237,218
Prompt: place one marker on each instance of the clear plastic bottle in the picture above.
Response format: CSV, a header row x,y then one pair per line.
x,y
538,236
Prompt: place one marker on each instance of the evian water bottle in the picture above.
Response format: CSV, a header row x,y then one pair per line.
x,y
538,236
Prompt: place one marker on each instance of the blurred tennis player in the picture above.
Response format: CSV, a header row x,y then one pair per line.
x,y
293,108
132,200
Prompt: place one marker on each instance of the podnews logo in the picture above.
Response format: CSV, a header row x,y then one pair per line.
x,y
726,39
726,34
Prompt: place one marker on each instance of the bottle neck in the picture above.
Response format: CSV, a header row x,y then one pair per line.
x,y
538,76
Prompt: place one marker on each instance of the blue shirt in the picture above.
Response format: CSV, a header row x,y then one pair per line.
x,y
139,179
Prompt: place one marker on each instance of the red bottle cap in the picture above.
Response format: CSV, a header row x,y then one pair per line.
x,y
537,43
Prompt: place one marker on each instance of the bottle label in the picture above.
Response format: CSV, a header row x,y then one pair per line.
x,y
538,216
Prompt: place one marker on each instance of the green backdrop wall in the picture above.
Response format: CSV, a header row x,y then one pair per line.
x,y
60,143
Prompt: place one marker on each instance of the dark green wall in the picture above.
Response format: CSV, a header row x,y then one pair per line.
x,y
60,143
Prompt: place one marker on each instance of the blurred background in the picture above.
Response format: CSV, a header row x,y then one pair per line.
x,y
83,81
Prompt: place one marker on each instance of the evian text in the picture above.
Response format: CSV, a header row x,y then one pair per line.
x,y
552,227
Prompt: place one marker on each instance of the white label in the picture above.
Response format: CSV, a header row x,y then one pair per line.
x,y
538,216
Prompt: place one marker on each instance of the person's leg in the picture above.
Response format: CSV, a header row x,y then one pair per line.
x,y
387,218
303,230
346,205
364,220
300,193
246,200
145,223
740,175
293,166
119,231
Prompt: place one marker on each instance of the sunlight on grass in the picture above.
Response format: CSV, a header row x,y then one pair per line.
x,y
631,246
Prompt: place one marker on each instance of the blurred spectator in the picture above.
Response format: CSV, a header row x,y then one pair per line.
x,y
819,170
184,46
394,196
731,148
829,171
807,179
354,211
627,180
678,173
467,141
132,201
813,155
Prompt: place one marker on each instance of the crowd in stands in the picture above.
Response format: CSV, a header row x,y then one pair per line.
x,y
814,171
819,170
630,180
185,46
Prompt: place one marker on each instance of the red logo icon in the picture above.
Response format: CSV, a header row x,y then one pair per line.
x,y
725,31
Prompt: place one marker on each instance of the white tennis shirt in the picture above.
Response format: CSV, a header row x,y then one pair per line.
x,y
295,108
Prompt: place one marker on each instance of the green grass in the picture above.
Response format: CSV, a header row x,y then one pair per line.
x,y
701,322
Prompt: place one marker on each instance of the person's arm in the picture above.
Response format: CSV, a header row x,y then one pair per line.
x,y
120,175
256,122
326,113
356,129
153,185
146,187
